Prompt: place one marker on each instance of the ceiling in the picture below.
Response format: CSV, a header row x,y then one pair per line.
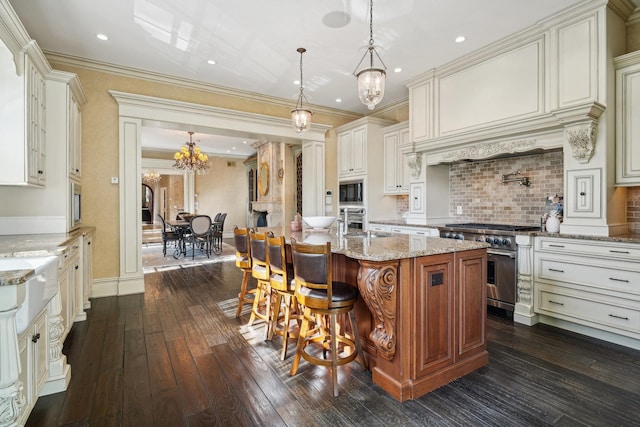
x,y
254,42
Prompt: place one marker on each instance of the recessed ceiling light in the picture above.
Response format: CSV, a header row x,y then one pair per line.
x,y
211,62
233,148
338,99
296,82
460,39
244,142
397,70
102,36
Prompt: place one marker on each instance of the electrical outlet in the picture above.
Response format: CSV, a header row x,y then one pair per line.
x,y
459,210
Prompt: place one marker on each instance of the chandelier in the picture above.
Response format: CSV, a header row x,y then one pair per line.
x,y
371,80
151,177
190,158
300,117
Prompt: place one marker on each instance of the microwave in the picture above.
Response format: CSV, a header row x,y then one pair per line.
x,y
351,192
75,206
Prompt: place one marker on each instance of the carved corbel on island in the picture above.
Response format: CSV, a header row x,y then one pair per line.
x,y
377,283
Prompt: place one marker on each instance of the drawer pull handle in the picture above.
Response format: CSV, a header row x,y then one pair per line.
x,y
618,252
618,280
556,270
35,337
556,246
619,317
556,303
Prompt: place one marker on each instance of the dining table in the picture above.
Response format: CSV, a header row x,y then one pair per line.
x,y
182,227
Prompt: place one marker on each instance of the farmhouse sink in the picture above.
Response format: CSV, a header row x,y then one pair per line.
x,y
39,289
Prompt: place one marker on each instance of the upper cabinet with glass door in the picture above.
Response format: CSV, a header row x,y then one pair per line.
x,y
23,157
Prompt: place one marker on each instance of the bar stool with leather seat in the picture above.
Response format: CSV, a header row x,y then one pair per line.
x,y
281,280
260,271
319,294
243,261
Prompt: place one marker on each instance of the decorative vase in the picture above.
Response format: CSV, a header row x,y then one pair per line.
x,y
553,224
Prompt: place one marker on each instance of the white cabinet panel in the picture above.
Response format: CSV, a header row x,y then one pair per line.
x,y
584,188
627,123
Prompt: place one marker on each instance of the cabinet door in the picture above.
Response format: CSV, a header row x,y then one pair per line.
x,y
87,266
359,151
433,305
627,125
417,198
471,298
390,163
344,153
36,130
75,132
39,342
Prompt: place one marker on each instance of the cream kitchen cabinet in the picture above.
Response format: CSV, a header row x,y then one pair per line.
x,y
627,124
360,147
87,271
33,346
23,96
70,280
590,283
66,100
352,152
396,144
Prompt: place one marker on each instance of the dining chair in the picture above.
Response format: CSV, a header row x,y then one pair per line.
x,y
320,295
168,235
243,261
281,281
260,271
217,230
199,234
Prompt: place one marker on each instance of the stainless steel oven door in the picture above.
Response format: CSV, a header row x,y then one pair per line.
x,y
501,279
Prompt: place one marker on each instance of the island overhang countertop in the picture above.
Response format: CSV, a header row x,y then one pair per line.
x,y
377,246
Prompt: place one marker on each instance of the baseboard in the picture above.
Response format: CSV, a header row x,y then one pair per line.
x,y
57,384
115,286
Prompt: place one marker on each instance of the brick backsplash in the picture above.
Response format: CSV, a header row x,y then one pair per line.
x,y
633,209
477,187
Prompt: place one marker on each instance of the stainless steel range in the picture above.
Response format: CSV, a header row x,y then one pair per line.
x,y
502,274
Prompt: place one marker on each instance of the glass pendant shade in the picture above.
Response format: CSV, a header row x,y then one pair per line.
x,y
301,117
371,86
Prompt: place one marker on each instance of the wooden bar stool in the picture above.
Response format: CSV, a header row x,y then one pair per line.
x,y
320,295
281,280
260,271
243,261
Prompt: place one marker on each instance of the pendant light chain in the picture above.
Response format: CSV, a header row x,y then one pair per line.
x,y
300,117
371,81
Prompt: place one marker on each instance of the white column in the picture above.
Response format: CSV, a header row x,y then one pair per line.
x,y
59,370
523,312
131,279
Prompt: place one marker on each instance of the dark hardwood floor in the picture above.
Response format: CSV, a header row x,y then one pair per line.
x,y
176,355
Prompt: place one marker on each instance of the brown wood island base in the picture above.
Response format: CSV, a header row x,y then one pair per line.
x,y
422,314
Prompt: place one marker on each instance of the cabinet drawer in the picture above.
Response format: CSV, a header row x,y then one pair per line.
x,y
560,302
596,275
611,250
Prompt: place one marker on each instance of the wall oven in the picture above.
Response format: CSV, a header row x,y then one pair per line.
x,y
351,192
75,206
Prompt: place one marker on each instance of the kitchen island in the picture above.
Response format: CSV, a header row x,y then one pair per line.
x,y
422,314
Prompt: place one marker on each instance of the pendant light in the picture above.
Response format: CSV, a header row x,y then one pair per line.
x,y
301,117
371,80
189,158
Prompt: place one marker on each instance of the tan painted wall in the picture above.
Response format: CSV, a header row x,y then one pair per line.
x,y
100,149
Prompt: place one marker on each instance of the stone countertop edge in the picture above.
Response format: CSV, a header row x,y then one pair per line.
x,y
35,245
623,238
381,247
15,277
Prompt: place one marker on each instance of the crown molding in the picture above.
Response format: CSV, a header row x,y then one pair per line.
x,y
93,65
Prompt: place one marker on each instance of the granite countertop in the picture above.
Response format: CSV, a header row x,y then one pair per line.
x,y
623,238
380,247
33,245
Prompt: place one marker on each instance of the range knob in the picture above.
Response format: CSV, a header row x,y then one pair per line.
x,y
479,239
489,240
459,236
446,235
506,242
